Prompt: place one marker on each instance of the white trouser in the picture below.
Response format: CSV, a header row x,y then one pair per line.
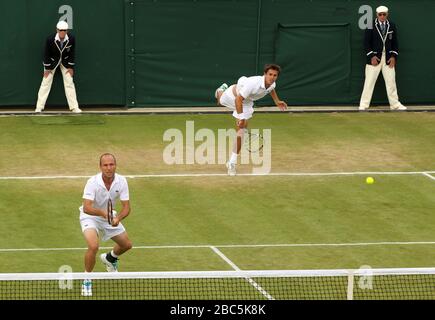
x,y
372,73
68,83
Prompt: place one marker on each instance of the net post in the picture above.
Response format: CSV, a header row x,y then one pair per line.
x,y
350,282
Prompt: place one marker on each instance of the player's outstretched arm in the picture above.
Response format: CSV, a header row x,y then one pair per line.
x,y
279,103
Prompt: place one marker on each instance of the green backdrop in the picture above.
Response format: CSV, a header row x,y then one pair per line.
x,y
176,52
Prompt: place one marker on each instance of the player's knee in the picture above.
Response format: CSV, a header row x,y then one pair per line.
x,y
241,124
128,245
93,247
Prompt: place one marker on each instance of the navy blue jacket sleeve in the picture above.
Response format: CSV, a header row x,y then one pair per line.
x,y
368,43
71,54
394,43
47,59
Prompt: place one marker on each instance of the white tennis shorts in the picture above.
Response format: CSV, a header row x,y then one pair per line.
x,y
229,100
104,229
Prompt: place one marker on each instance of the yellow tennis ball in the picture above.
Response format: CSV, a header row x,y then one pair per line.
x,y
370,180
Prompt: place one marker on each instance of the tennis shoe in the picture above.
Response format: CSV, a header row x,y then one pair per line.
x,y
87,288
231,168
222,88
110,267
76,110
399,107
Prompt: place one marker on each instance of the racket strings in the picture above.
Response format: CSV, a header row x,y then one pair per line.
x,y
253,141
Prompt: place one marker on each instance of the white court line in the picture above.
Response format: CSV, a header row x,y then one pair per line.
x,y
235,267
428,175
278,174
329,244
284,245
44,177
225,258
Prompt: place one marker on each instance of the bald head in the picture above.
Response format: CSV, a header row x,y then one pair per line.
x,y
108,156
108,166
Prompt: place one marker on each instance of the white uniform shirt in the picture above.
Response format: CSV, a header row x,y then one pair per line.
x,y
96,191
252,89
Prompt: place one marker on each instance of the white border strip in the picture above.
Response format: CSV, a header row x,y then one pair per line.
x,y
278,174
216,274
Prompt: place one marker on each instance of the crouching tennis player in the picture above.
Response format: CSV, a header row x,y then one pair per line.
x,y
93,217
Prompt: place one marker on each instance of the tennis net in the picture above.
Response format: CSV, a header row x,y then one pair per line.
x,y
415,283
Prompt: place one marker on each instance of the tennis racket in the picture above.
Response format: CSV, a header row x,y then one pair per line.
x,y
253,141
109,211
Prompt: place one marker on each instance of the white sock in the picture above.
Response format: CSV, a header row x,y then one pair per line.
x,y
113,254
233,158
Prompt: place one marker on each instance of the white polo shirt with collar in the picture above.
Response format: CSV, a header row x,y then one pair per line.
x,y
251,89
96,191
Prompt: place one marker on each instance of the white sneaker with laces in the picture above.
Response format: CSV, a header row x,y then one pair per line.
x,y
76,110
231,168
222,88
361,108
110,267
37,110
87,288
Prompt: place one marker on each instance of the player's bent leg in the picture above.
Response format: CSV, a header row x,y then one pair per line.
x,y
111,259
219,92
91,237
218,99
123,243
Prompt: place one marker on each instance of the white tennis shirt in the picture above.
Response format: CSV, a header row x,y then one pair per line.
x,y
96,191
253,88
